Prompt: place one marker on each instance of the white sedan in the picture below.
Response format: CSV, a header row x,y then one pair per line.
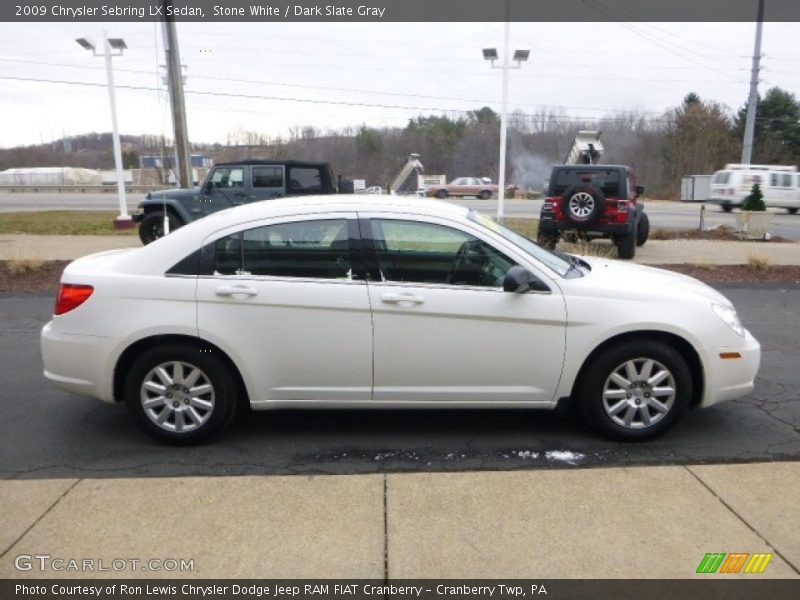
x,y
386,301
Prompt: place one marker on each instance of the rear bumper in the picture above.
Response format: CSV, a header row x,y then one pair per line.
x,y
548,224
76,363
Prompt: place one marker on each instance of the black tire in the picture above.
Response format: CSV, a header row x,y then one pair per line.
x,y
547,240
726,207
485,195
152,226
597,381
792,211
642,229
441,194
626,245
213,371
582,205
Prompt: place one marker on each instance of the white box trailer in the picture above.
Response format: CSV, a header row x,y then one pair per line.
x,y
695,188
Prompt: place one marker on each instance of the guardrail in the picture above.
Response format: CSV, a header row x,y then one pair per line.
x,y
83,189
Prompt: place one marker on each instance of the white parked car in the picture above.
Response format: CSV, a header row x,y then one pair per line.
x,y
353,302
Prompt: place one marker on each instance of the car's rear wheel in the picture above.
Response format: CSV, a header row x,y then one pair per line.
x,y
152,226
792,211
485,195
626,245
180,394
727,207
441,194
642,229
636,390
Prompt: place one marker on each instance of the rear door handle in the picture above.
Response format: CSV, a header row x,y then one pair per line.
x,y
402,299
235,290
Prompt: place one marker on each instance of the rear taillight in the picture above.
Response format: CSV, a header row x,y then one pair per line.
x,y
548,205
71,296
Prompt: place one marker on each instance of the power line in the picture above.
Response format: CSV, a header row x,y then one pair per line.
x,y
207,93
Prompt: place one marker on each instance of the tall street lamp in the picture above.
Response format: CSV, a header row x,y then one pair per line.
x,y
520,56
113,47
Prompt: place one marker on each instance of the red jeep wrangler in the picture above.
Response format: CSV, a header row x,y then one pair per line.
x,y
596,201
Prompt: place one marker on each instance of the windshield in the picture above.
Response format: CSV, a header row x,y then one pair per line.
x,y
554,262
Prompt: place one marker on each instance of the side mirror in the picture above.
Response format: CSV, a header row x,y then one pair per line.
x,y
639,189
209,186
518,280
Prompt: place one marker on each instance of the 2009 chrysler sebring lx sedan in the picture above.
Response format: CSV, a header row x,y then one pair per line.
x,y
342,302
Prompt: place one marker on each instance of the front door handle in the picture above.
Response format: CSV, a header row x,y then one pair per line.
x,y
235,290
402,299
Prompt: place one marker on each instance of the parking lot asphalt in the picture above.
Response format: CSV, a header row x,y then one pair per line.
x,y
47,433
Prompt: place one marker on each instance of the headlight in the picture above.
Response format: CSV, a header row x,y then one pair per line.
x,y
728,314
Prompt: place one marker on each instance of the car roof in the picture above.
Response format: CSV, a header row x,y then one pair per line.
x,y
258,162
591,167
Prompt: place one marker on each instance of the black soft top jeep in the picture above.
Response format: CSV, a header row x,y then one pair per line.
x,y
230,184
594,201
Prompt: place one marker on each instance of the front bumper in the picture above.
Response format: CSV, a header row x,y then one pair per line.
x,y
728,379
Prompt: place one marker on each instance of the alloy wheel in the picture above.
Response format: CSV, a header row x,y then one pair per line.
x,y
177,396
639,393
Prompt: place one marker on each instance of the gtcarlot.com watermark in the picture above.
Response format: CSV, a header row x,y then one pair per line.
x,y
58,564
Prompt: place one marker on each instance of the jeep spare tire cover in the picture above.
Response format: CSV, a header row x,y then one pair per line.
x,y
583,204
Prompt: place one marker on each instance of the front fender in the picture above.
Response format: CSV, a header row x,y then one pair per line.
x,y
181,207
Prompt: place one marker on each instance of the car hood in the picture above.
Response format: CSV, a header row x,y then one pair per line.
x,y
175,194
624,280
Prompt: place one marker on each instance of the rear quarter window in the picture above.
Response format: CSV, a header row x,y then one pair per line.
x,y
305,179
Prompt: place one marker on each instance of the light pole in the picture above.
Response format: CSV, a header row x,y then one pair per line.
x,y
113,47
520,56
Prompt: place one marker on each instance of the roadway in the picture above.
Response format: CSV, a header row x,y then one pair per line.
x,y
671,215
48,433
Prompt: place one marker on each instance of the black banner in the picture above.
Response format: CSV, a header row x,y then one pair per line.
x,y
397,10
713,588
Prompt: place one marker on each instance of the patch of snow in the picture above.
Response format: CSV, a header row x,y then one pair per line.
x,y
527,454
566,456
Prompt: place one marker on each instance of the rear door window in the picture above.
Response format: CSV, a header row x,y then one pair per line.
x,y
267,177
310,249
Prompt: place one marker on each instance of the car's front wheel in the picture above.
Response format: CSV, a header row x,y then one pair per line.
x,y
636,390
180,394
152,226
441,194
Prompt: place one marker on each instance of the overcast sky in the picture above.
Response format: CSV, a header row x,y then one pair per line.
x,y
382,74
